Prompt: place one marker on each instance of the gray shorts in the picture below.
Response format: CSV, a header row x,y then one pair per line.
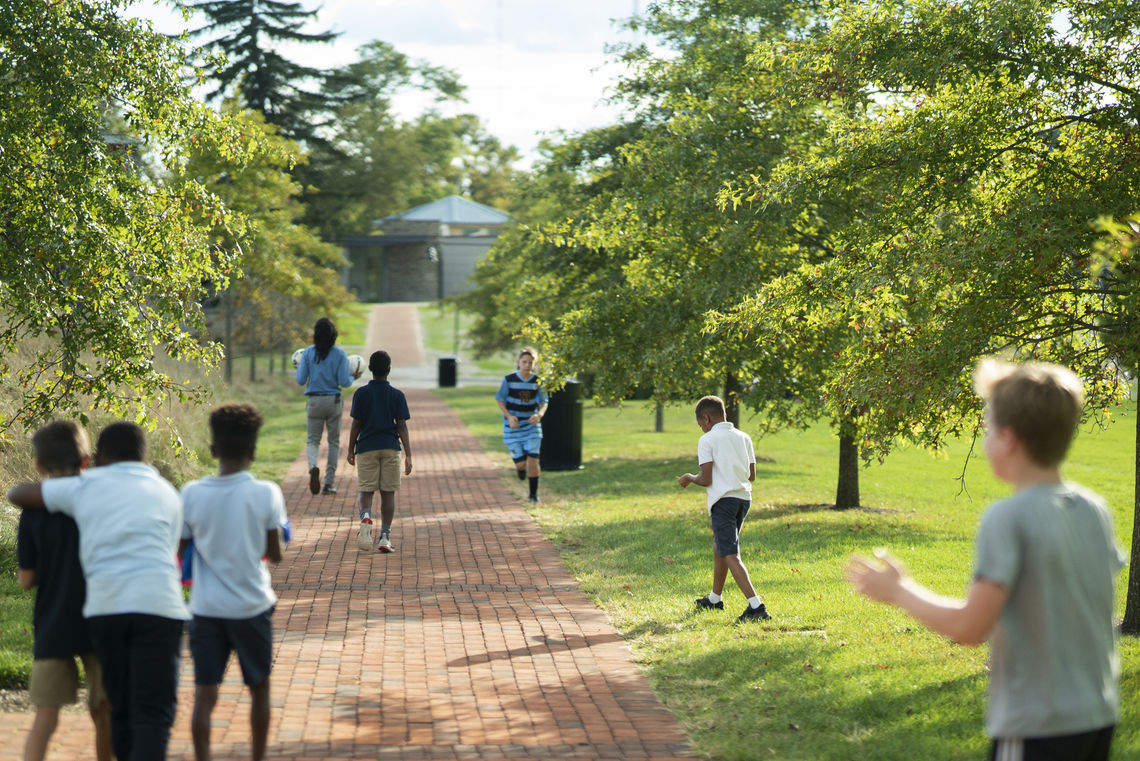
x,y
727,515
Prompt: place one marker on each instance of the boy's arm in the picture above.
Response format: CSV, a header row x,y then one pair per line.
x,y
967,622
26,577
704,478
273,545
751,471
406,443
27,496
512,421
353,435
538,413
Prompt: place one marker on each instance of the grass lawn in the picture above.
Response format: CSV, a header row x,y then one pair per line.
x,y
437,322
832,676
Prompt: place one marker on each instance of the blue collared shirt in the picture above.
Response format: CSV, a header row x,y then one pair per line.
x,y
325,377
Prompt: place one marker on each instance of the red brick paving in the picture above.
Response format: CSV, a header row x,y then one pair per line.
x,y
472,641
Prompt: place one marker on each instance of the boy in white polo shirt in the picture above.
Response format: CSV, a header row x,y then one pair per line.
x,y
129,519
234,520
728,468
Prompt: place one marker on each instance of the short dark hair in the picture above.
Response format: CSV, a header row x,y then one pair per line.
x,y
380,363
1041,402
60,447
235,428
122,442
711,405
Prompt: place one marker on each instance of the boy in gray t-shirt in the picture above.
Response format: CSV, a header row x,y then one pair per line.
x,y
1042,593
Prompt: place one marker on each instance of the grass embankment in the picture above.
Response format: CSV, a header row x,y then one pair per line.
x,y
832,676
276,395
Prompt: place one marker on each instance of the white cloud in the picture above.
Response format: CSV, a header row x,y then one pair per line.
x,y
530,66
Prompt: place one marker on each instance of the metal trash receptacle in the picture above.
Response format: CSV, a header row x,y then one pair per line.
x,y
448,370
562,429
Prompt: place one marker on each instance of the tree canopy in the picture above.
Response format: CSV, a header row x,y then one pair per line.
x,y
103,256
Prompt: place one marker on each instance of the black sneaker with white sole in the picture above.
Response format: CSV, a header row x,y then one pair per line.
x,y
754,614
704,603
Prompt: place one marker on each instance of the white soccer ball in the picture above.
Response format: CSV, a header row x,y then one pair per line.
x,y
297,357
356,364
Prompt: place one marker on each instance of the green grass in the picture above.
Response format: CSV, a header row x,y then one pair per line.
x,y
833,676
437,322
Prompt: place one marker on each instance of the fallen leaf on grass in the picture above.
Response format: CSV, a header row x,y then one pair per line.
x,y
794,727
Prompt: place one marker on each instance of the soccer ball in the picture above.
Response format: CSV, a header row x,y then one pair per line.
x,y
355,364
297,357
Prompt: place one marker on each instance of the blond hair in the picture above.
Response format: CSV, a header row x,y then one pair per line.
x,y
1040,402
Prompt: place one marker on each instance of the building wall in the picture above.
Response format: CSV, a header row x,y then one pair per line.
x,y
410,273
458,256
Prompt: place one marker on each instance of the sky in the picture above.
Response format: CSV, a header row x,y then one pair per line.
x,y
530,67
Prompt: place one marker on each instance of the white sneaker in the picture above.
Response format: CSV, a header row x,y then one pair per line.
x,y
364,539
385,544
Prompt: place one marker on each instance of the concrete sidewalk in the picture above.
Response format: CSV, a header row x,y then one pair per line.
x,y
471,641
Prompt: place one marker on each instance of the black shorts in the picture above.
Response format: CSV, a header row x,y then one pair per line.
x,y
1082,746
213,639
727,516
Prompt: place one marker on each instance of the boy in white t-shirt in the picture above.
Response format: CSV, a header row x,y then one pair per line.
x,y
234,520
129,518
728,468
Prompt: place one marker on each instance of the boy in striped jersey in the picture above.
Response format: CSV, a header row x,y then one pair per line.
x,y
523,403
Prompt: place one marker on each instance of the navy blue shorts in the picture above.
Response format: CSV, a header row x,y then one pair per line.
x,y
727,516
213,639
1082,746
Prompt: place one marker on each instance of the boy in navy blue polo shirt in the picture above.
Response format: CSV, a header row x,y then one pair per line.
x,y
379,428
47,547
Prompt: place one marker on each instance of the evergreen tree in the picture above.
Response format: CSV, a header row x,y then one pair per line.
x,y
247,33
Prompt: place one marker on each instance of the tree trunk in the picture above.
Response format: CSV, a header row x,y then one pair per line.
x,y
271,360
732,398
252,364
847,489
659,417
1131,623
228,338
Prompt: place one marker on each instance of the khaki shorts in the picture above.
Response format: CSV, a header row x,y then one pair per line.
x,y
55,681
379,469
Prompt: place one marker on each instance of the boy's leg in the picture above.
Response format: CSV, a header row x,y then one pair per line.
x,y
720,573
153,659
739,573
252,640
259,719
387,515
364,504
205,698
532,471
332,421
210,649
54,682
98,706
367,482
109,636
43,725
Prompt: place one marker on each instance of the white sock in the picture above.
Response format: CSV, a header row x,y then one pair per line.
x,y
754,602
714,598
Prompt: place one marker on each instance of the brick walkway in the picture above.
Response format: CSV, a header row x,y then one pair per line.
x,y
472,641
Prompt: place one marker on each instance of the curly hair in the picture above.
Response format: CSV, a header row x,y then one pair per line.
x,y
235,428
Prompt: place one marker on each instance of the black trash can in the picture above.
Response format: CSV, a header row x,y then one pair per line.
x,y
562,429
448,367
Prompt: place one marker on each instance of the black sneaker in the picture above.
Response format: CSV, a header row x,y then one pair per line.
x,y
329,489
533,500
703,603
315,480
754,614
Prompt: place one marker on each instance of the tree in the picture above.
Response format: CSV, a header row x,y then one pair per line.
x,y
288,275
246,33
102,257
993,136
371,164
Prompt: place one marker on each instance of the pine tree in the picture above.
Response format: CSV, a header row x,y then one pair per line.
x,y
248,32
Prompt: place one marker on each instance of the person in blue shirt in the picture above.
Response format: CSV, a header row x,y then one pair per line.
x,y
523,403
378,435
323,370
